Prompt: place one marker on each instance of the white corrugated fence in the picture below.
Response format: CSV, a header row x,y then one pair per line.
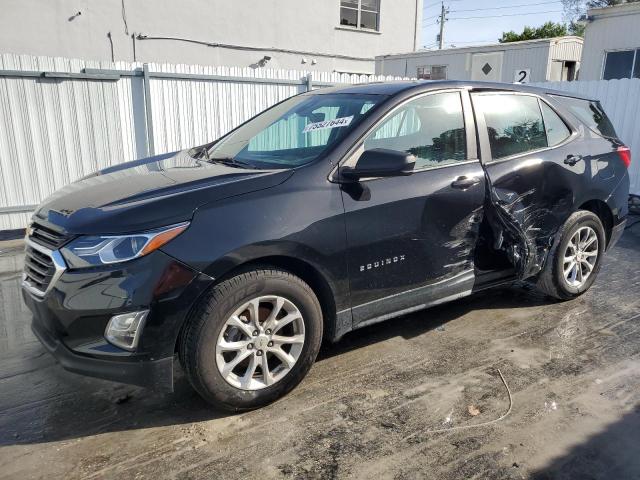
x,y
61,119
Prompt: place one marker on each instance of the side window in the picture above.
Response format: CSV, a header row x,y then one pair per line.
x,y
557,130
404,123
591,113
514,123
430,127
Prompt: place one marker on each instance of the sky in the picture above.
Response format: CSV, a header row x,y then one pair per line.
x,y
499,16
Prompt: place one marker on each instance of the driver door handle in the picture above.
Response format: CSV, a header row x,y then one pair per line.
x,y
572,159
465,182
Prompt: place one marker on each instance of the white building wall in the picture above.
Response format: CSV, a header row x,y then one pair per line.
x,y
613,28
51,27
535,55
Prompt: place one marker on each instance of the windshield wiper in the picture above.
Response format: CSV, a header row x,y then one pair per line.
x,y
202,152
231,161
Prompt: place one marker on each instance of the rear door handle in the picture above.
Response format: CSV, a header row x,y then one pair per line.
x,y
572,159
465,182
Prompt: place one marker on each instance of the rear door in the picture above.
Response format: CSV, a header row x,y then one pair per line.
x,y
411,238
533,164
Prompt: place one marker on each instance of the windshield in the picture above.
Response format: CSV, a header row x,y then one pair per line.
x,y
295,132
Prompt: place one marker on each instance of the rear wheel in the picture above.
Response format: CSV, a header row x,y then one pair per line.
x,y
253,339
574,259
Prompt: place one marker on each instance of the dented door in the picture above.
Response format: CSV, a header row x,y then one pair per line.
x,y
531,173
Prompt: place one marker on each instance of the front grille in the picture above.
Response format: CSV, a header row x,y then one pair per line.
x,y
43,263
47,237
38,268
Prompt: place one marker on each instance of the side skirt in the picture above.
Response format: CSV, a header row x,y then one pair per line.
x,y
403,303
415,308
460,286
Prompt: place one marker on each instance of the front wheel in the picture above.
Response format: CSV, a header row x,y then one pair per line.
x,y
253,339
574,259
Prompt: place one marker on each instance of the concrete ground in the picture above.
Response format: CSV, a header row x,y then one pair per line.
x,y
416,397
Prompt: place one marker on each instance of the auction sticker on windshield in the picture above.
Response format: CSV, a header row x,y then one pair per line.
x,y
336,122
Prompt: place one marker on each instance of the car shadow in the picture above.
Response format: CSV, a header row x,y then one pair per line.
x,y
612,453
518,295
62,406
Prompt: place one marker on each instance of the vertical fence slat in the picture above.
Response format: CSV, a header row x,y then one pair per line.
x,y
55,131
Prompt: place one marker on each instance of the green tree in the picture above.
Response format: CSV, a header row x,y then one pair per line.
x,y
577,9
575,12
577,28
548,30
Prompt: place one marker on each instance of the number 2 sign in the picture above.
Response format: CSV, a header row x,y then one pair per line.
x,y
522,75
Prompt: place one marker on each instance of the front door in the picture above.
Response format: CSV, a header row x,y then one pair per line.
x,y
411,238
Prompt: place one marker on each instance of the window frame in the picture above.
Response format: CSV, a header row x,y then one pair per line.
x,y
544,123
359,17
635,51
483,135
350,158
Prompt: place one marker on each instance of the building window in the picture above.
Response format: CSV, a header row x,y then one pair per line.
x,y
432,72
621,64
360,14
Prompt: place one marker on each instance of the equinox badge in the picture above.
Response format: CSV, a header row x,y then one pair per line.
x,y
382,263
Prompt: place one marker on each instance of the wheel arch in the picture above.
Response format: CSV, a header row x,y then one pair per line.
x,y
296,266
603,212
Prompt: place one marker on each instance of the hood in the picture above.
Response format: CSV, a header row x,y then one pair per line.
x,y
148,193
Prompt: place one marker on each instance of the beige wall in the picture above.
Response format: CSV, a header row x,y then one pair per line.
x,y
43,27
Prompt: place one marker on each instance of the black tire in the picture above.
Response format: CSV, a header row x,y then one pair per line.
x,y
198,342
551,280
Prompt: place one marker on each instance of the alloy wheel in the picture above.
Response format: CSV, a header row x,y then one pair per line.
x,y
260,342
580,257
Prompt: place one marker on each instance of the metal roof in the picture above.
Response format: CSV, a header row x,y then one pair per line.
x,y
540,42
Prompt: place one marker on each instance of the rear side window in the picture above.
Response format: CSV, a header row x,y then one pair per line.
x,y
514,123
557,130
591,114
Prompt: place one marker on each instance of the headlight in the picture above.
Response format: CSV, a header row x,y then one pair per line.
x,y
92,251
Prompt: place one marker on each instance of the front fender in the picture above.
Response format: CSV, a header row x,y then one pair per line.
x,y
297,220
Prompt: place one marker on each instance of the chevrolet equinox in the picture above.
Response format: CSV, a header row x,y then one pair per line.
x,y
331,210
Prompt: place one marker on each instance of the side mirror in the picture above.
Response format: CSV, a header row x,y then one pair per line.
x,y
380,162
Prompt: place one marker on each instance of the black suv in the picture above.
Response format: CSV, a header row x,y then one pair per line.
x,y
329,211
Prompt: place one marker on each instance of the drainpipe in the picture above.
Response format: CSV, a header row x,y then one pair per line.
x,y
415,29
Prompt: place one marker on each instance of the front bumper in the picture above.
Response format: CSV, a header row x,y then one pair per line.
x,y
154,374
70,319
